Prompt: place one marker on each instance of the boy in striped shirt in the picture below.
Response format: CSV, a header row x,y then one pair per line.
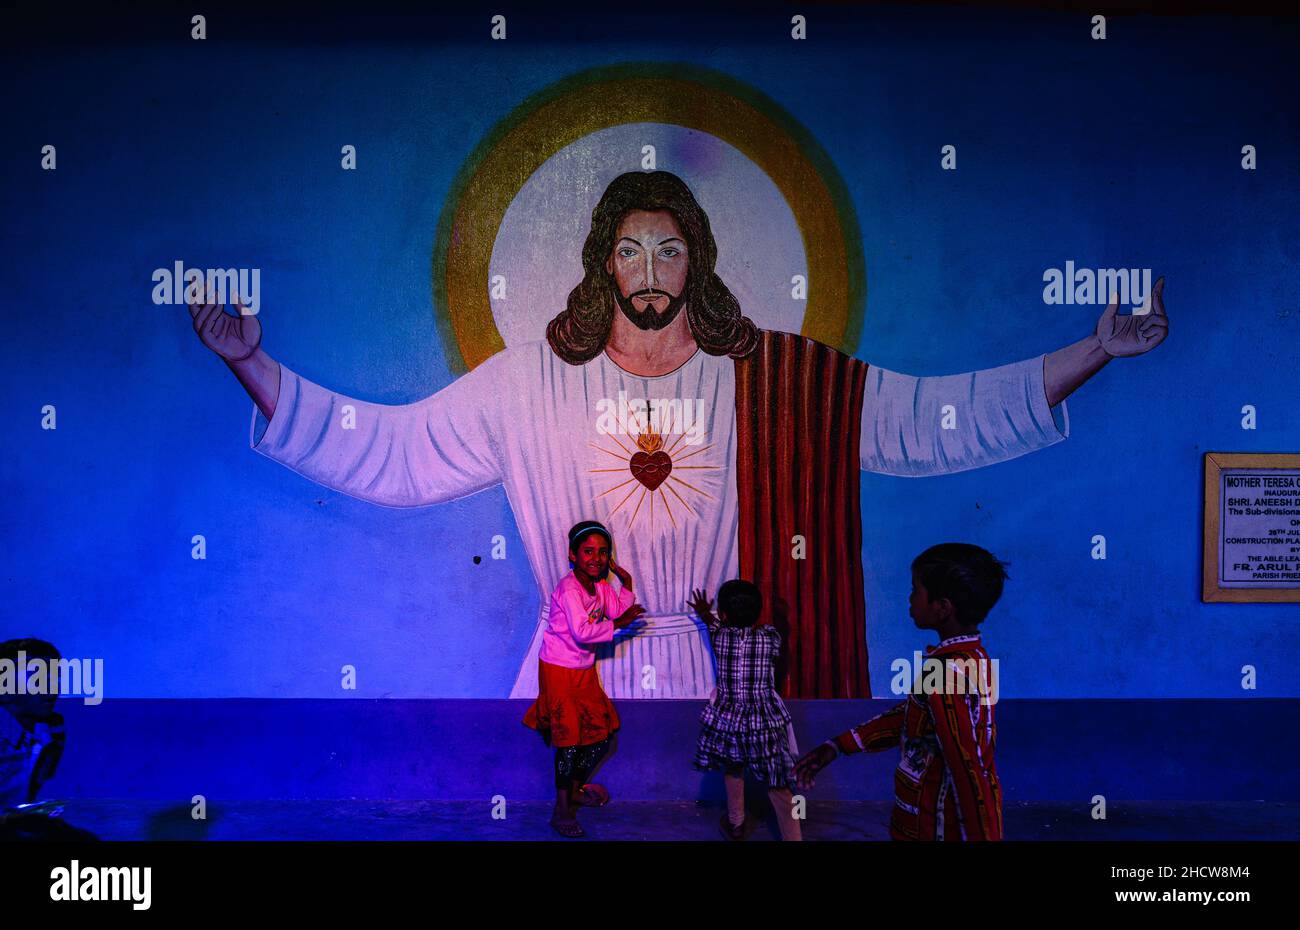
x,y
946,784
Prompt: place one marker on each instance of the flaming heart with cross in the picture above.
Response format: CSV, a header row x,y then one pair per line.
x,y
651,467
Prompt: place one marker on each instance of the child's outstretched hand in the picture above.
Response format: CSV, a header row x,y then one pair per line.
x,y
806,769
628,617
701,604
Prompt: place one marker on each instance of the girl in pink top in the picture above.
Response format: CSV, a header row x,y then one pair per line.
x,y
581,617
572,711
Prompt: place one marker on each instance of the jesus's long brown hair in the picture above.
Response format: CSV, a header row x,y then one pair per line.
x,y
578,334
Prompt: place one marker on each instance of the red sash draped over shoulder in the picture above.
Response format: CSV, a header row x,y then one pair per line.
x,y
798,423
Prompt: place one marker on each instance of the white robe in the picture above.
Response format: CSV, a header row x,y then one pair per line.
x,y
539,426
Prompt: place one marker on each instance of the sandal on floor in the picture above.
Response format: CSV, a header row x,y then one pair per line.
x,y
591,796
570,828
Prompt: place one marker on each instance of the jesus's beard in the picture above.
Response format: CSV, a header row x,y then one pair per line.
x,y
649,318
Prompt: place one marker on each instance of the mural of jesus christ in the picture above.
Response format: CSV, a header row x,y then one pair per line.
x,y
766,470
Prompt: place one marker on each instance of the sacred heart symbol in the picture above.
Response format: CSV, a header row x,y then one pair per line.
x,y
651,468
652,465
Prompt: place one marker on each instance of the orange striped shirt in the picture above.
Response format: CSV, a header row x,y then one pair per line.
x,y
946,785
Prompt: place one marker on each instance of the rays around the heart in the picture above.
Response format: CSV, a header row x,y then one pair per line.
x,y
651,468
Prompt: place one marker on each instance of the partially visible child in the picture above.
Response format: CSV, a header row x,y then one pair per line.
x,y
746,725
31,744
572,711
31,732
946,786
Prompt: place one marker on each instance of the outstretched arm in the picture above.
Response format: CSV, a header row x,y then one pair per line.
x,y
237,341
880,732
260,376
404,455
703,608
1066,369
918,426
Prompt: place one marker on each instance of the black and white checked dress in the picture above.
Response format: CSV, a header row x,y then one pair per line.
x,y
746,723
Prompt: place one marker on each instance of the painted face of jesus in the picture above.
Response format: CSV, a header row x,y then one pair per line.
x,y
649,265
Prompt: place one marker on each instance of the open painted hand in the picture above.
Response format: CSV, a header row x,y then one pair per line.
x,y
234,338
1134,334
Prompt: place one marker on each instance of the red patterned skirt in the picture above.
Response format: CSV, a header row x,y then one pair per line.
x,y
572,708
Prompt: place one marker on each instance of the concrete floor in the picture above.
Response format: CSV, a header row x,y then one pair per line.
x,y
651,820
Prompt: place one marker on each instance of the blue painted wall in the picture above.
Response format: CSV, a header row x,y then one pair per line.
x,y
1115,153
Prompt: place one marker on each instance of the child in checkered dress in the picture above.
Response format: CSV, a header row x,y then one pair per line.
x,y
746,725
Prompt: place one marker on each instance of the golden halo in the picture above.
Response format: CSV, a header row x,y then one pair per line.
x,y
676,94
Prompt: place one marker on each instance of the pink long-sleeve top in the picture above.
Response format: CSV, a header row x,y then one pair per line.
x,y
578,621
